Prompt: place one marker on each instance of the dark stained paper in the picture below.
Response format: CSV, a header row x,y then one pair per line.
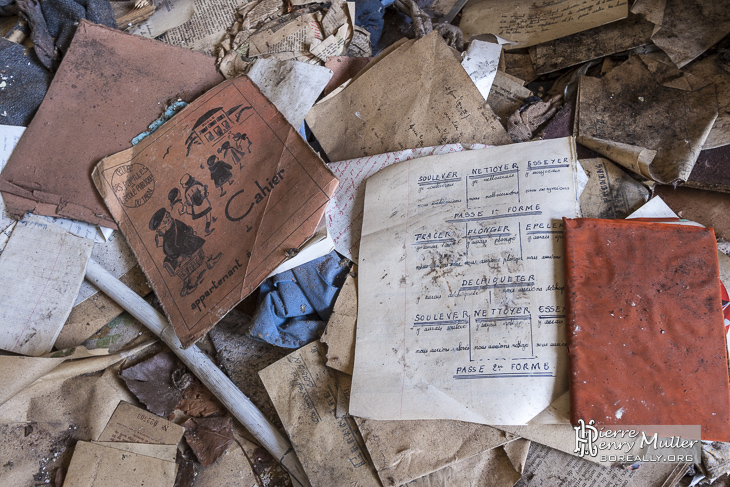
x,y
108,89
211,202
646,350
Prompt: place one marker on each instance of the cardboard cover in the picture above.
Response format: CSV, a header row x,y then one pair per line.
x,y
213,201
645,325
109,88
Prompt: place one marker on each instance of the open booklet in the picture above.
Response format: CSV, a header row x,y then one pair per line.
x,y
461,306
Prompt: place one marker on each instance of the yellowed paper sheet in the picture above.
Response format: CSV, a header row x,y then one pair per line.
x,y
303,390
232,469
295,36
336,16
18,372
100,466
631,88
167,453
461,304
494,465
207,26
445,108
134,425
610,192
517,451
527,22
506,95
51,262
339,336
406,450
652,10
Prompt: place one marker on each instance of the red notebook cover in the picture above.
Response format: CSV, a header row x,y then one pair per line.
x,y
645,325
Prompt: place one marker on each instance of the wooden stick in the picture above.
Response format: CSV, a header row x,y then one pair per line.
x,y
209,374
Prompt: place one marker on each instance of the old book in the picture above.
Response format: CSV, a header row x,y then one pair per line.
x,y
213,200
645,325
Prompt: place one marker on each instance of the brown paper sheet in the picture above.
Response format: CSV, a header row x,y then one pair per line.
x,y
134,425
689,28
233,469
433,93
595,43
507,95
109,87
528,23
610,192
710,171
161,452
304,392
517,451
631,88
245,188
519,65
101,466
403,451
339,336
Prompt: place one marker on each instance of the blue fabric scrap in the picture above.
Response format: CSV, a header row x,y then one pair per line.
x,y
294,306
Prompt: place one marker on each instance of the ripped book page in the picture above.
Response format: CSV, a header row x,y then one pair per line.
x,y
52,262
211,202
461,289
528,22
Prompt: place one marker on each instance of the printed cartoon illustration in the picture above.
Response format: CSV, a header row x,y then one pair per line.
x,y
220,172
184,255
213,125
238,138
196,202
235,153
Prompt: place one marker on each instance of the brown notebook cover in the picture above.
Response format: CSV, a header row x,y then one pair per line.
x,y
212,201
109,88
645,327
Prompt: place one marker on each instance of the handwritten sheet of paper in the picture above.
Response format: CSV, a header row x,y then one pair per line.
x,y
52,262
304,392
446,108
344,212
481,60
461,304
211,202
527,22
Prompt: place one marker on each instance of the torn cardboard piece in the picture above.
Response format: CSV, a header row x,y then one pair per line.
x,y
339,336
436,338
632,88
359,121
52,262
528,23
92,98
303,390
244,190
